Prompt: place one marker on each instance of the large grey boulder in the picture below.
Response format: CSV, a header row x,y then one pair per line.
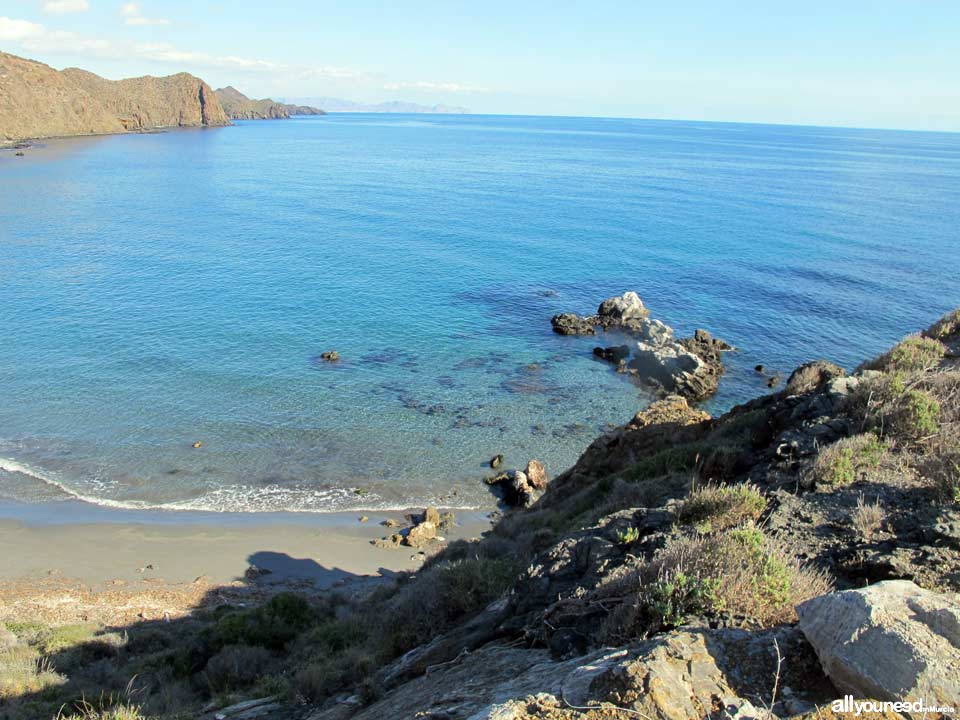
x,y
621,309
890,641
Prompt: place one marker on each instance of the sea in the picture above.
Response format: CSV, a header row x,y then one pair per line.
x,y
159,291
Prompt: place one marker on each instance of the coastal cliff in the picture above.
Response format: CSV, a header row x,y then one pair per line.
x,y
37,101
239,107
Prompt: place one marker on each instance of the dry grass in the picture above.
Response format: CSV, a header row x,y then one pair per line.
x,y
868,517
718,507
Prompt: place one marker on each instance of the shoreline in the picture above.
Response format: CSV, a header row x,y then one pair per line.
x,y
70,542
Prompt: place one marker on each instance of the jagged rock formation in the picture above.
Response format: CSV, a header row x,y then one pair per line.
x,y
239,107
37,101
690,367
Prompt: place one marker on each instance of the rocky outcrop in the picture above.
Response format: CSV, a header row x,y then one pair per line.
x,y
890,641
239,107
37,101
690,367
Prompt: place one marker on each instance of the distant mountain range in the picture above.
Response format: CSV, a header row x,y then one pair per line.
x,y
332,104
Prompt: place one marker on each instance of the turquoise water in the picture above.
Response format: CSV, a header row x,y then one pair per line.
x,y
156,290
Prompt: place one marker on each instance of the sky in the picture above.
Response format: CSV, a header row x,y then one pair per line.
x,y
844,62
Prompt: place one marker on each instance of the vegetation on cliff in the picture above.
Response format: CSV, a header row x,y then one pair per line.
x,y
238,106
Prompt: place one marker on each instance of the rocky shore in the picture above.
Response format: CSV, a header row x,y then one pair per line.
x,y
690,367
800,548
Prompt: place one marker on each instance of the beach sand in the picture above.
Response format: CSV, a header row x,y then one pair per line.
x,y
69,561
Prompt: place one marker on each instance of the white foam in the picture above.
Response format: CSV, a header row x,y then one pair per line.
x,y
233,498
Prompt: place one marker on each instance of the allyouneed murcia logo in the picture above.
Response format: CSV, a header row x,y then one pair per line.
x,y
848,705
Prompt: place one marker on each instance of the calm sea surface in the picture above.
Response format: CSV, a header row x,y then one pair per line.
x,y
157,290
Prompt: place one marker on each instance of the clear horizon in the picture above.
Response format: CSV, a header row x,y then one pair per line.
x,y
886,65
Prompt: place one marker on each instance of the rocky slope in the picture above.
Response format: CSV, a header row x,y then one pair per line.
x,y
762,564
239,107
37,101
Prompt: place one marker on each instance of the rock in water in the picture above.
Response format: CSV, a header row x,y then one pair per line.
x,y
496,461
330,356
890,641
620,310
572,324
612,354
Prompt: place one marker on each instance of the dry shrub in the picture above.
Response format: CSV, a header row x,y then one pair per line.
x,y
236,666
718,507
868,517
852,459
741,571
946,327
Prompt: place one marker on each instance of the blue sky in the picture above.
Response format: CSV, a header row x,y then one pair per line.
x,y
845,62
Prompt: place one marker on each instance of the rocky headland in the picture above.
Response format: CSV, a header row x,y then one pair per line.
x,y
238,106
37,101
802,547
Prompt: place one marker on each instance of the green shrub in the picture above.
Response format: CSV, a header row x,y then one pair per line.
x,y
740,570
917,415
671,599
849,460
945,327
913,354
712,507
236,667
271,625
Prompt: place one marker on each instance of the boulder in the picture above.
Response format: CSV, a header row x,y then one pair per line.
x,y
421,535
812,376
536,475
573,324
889,641
622,309
675,369
515,487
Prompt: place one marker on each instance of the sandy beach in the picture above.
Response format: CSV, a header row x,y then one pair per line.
x,y
69,560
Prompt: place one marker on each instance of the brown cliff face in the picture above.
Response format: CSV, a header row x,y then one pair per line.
x,y
239,107
37,101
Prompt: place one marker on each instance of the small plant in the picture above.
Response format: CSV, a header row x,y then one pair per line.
x,y
946,326
673,598
712,507
868,517
628,536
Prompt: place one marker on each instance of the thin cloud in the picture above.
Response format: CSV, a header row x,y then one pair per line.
x,y
436,86
133,16
38,38
18,30
64,7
